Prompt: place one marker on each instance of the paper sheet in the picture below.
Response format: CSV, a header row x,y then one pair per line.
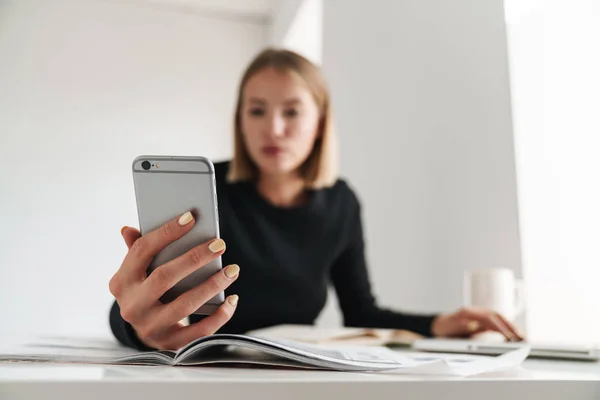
x,y
465,365
443,364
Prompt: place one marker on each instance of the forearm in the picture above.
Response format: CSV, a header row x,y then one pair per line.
x,y
374,317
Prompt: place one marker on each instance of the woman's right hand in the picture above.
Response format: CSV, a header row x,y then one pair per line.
x,y
159,325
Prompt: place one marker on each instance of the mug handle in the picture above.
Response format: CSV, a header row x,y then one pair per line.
x,y
519,297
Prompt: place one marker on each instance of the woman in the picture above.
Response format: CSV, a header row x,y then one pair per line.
x,y
286,218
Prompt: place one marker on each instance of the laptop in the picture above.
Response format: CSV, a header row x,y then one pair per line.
x,y
465,346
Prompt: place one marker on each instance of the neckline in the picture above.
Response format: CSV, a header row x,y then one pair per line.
x,y
310,204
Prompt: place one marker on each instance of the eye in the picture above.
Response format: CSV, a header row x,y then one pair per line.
x,y
257,112
291,113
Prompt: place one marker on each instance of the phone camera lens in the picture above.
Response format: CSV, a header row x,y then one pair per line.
x,y
146,165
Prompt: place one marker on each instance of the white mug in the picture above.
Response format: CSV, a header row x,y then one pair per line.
x,y
496,289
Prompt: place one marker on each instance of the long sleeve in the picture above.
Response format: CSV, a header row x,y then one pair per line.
x,y
292,255
351,281
123,330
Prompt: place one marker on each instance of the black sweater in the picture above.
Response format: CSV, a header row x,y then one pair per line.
x,y
287,259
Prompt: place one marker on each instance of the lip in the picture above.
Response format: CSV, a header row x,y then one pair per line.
x,y
272,150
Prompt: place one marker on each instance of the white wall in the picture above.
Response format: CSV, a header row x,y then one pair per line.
x,y
305,34
421,94
297,25
85,86
556,86
283,16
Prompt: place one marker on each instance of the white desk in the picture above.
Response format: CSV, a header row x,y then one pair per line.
x,y
535,379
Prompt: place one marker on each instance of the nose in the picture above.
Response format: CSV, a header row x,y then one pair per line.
x,y
276,126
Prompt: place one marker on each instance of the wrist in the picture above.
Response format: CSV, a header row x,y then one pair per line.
x,y
437,325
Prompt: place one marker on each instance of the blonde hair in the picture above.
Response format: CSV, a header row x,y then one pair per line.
x,y
320,168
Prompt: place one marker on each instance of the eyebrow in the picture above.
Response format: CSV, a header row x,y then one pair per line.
x,y
257,100
289,102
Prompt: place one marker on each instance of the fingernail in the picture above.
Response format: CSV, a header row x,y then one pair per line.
x,y
232,270
185,219
233,299
123,229
473,326
217,246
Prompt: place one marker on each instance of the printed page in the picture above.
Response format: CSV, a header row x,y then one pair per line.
x,y
408,362
77,349
348,358
462,364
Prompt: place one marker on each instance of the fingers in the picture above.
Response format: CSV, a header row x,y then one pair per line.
x,y
167,275
157,324
517,336
157,338
208,326
480,320
143,249
193,299
497,325
161,324
472,326
130,235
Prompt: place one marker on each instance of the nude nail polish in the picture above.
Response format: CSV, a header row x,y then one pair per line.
x,y
185,218
232,270
233,299
217,246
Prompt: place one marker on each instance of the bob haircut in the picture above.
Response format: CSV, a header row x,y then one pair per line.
x,y
319,170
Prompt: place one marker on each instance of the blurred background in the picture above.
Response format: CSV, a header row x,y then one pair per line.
x,y
468,128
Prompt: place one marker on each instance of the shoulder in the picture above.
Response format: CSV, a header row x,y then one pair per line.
x,y
343,210
342,195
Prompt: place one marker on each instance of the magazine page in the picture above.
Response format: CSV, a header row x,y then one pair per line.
x,y
251,349
319,358
78,350
317,355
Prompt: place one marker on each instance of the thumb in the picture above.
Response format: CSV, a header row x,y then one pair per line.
x,y
130,235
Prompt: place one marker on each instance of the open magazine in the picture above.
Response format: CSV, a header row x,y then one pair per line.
x,y
229,349
217,349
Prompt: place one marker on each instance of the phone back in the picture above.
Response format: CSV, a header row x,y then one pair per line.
x,y
165,188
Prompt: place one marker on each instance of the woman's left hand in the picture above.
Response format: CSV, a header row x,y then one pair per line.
x,y
469,321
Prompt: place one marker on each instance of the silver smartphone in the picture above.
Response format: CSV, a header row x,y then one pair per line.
x,y
165,188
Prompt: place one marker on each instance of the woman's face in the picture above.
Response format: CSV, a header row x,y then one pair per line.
x,y
279,121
